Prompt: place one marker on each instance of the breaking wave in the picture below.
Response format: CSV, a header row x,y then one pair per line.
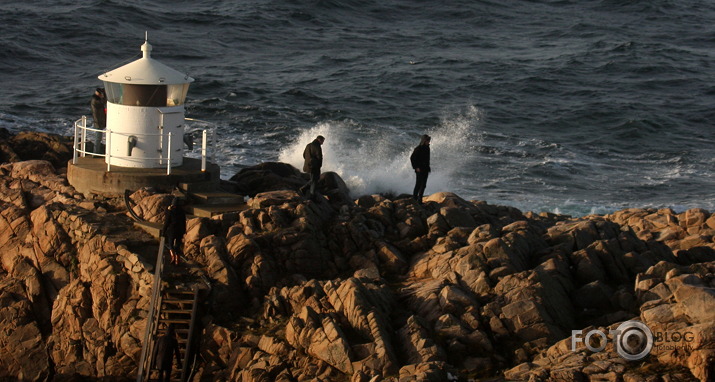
x,y
377,160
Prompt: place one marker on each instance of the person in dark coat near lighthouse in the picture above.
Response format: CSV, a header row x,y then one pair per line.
x,y
313,156
174,229
420,163
98,104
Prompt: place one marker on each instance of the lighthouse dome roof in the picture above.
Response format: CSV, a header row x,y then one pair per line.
x,y
146,71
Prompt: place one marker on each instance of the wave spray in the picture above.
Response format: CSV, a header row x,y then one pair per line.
x,y
377,159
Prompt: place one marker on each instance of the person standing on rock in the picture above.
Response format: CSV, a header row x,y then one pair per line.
x,y
420,162
313,156
174,229
166,347
99,114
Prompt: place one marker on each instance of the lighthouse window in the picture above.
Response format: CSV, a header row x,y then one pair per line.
x,y
144,95
176,94
114,92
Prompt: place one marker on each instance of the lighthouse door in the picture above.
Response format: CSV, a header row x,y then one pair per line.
x,y
172,144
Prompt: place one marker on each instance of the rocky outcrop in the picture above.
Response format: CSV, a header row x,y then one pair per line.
x,y
29,145
22,343
676,305
277,176
269,176
74,294
375,289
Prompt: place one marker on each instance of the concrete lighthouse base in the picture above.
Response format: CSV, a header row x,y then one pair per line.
x,y
90,176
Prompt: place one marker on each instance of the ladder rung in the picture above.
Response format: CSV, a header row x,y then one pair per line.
x,y
176,301
180,298
178,291
176,311
175,320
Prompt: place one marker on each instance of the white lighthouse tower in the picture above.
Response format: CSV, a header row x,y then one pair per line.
x,y
144,134
145,113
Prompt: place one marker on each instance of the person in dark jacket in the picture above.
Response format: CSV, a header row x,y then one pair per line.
x,y
166,347
420,162
174,229
313,156
99,114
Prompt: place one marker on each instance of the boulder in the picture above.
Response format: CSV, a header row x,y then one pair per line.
x,y
416,344
278,176
457,217
32,145
321,338
333,186
34,170
449,199
427,372
274,198
151,207
268,176
368,201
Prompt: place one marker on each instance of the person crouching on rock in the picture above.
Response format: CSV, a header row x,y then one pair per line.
x,y
174,229
313,156
420,162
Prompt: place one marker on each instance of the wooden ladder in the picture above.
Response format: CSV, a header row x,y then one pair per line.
x,y
179,307
169,306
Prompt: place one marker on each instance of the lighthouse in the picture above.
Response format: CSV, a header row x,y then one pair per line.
x,y
144,136
145,113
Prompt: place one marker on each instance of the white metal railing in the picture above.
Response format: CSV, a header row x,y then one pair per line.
x,y
208,136
80,141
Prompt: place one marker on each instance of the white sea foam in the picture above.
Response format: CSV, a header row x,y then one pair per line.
x,y
371,162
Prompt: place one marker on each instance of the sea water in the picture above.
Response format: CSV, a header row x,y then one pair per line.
x,y
572,107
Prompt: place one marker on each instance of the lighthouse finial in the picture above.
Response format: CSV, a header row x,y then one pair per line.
x,y
146,47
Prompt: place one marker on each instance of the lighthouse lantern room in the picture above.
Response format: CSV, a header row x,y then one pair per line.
x,y
145,113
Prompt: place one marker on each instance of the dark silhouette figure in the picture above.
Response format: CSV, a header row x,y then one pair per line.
x,y
313,156
420,162
174,229
99,114
166,347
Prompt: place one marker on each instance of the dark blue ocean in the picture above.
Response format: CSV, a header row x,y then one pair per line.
x,y
573,107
